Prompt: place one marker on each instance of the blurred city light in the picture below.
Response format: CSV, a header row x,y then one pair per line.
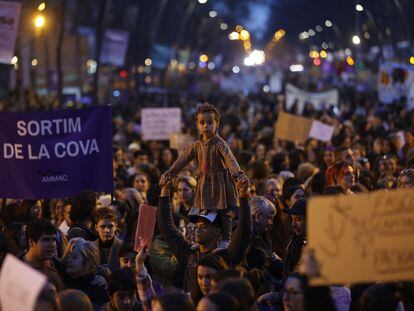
x,y
316,61
192,65
311,32
266,88
412,60
234,35
350,61
239,28
39,21
367,35
323,54
91,66
224,26
203,58
235,69
314,54
318,28
279,34
14,60
296,68
202,64
123,74
116,93
328,23
212,14
211,66
244,35
34,62
148,62
359,8
304,35
356,40
325,45
141,69
41,6
202,1
255,58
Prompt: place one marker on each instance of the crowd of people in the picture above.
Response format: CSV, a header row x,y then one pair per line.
x,y
85,244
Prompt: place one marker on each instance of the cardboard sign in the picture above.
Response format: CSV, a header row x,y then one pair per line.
x,y
146,224
55,154
9,24
179,141
292,128
363,238
321,131
20,285
159,123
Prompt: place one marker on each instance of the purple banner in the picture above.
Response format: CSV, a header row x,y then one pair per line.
x,y
55,154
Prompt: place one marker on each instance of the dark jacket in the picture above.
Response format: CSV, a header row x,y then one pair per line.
x,y
96,293
293,253
112,261
188,258
81,231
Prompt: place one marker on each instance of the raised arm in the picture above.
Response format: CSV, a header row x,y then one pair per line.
x,y
144,283
168,230
242,236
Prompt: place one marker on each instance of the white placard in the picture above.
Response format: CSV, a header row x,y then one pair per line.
x,y
321,131
20,285
9,24
159,123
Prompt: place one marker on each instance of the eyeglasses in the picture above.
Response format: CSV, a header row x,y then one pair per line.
x,y
290,293
409,172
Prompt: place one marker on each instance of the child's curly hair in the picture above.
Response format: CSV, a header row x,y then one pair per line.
x,y
205,108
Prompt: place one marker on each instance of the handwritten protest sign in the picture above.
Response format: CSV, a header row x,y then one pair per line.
x,y
159,123
321,131
363,238
20,285
293,128
55,154
9,24
146,224
179,141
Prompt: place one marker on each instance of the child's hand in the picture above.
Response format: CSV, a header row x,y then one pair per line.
x,y
165,178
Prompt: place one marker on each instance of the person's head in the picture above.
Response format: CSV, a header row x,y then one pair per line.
x,y
261,151
141,182
298,215
172,301
207,120
328,156
273,187
378,297
263,213
280,162
218,302
185,187
340,174
17,231
57,207
73,299
207,229
41,239
140,157
166,157
345,154
207,268
80,258
122,289
66,213
126,255
105,223
406,178
83,207
409,137
293,293
241,290
29,210
47,299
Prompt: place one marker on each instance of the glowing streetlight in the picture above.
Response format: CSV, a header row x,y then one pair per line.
x,y
350,61
148,62
412,60
34,62
318,28
323,54
255,58
239,28
41,6
14,60
234,35
244,35
356,40
359,8
202,1
236,69
311,32
39,21
328,23
203,58
224,26
212,14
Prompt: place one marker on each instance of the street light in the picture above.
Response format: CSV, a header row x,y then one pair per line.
x,y
39,21
328,23
202,1
234,36
356,40
212,14
41,6
359,8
